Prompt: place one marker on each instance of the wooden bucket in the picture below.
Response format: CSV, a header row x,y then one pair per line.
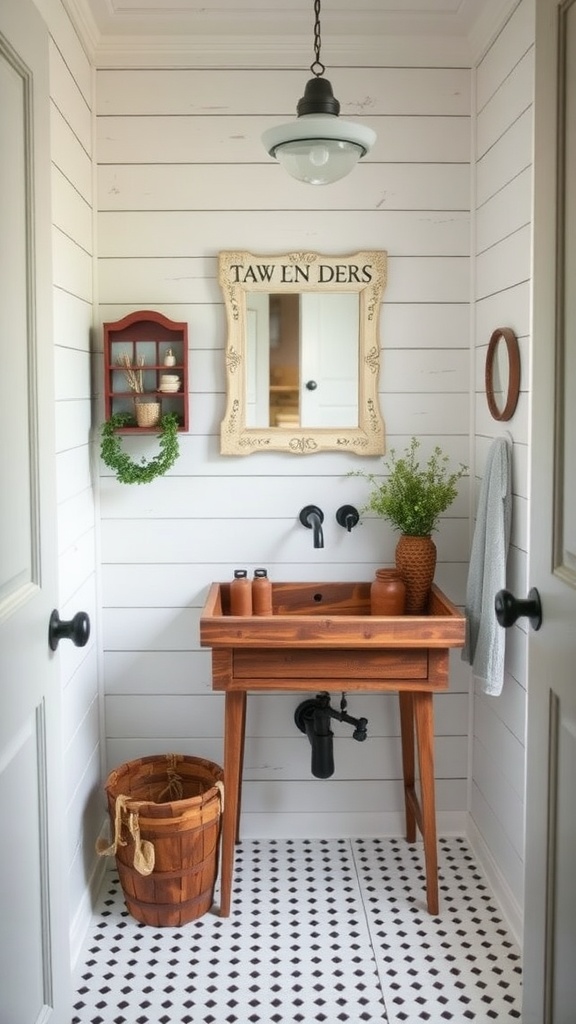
x,y
184,833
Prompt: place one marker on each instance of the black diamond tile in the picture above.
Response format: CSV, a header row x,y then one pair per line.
x,y
297,947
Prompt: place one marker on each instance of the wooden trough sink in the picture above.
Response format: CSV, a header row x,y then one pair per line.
x,y
321,636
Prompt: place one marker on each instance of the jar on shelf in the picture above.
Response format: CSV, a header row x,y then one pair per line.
x,y
169,358
147,413
388,593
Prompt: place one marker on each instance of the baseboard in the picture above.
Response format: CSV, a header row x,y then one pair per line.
x,y
512,911
83,917
340,825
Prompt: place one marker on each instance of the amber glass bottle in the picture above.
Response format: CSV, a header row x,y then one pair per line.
x,y
241,593
261,593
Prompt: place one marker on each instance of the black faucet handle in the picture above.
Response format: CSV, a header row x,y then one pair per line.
x,y
348,517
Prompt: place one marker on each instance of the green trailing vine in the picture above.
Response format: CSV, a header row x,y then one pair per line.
x,y
130,472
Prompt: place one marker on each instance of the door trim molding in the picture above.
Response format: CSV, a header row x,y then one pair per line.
x,y
564,570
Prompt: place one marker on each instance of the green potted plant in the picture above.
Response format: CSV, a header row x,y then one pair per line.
x,y
412,498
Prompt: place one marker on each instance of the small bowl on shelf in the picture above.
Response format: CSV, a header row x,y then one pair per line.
x,y
169,382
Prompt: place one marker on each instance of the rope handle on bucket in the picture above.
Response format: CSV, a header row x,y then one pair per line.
x,y
174,790
144,854
220,788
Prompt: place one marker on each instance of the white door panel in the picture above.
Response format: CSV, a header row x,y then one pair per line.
x,y
329,326
34,958
550,888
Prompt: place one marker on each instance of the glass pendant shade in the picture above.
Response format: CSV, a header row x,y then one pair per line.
x,y
318,147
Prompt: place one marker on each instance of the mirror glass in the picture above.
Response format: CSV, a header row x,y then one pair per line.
x,y
303,352
302,359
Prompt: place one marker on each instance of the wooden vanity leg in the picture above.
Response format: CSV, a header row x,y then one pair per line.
x,y
424,717
407,734
241,767
233,743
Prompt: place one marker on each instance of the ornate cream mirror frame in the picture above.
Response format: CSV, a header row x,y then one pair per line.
x,y
243,273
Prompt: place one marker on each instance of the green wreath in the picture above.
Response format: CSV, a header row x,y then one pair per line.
x,y
130,472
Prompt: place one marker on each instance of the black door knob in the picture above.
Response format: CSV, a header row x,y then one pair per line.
x,y
77,630
509,608
311,385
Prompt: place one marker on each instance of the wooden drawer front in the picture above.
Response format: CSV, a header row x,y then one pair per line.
x,y
255,663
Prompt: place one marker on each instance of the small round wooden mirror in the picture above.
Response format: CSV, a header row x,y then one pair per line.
x,y
502,373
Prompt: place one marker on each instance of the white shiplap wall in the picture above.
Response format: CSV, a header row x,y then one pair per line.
x,y
182,175
71,95
503,174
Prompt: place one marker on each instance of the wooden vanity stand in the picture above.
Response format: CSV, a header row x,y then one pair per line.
x,y
321,636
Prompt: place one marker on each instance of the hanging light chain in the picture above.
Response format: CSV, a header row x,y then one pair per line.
x,y
317,67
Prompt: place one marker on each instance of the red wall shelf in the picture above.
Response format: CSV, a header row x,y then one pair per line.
x,y
146,335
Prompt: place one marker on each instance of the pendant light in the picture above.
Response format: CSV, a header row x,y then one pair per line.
x,y
318,148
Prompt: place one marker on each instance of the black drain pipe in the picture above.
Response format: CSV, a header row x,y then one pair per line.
x,y
313,717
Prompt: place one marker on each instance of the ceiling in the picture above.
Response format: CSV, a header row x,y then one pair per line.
x,y
255,17
358,26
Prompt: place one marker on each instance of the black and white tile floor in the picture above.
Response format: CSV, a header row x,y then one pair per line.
x,y
331,930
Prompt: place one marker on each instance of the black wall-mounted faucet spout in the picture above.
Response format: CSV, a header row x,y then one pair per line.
x,y
312,517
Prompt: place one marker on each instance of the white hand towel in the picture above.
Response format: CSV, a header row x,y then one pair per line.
x,y
484,648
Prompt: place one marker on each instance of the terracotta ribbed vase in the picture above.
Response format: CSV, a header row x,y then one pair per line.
x,y
416,560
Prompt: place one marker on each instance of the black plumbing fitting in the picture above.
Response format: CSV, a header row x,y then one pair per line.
x,y
313,717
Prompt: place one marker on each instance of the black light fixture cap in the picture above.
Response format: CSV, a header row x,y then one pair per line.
x,y
318,98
